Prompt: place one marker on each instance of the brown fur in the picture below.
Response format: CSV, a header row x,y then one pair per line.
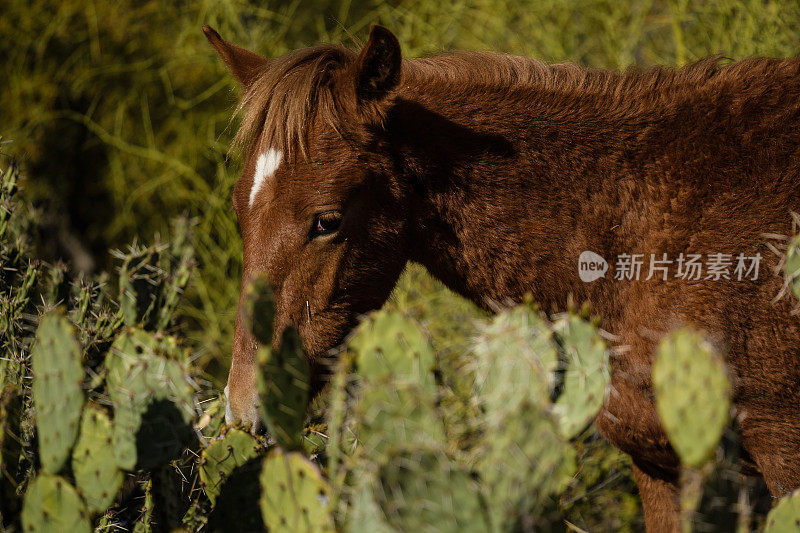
x,y
496,172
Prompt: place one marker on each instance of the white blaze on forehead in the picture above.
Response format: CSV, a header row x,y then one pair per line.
x,y
266,166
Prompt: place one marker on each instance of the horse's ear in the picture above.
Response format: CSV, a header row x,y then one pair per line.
x,y
245,65
378,65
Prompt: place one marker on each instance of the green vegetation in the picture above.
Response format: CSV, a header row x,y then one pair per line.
x,y
111,364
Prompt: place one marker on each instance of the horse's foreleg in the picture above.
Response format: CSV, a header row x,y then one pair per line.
x,y
660,495
772,438
629,421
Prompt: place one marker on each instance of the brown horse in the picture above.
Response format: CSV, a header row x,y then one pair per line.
x,y
496,173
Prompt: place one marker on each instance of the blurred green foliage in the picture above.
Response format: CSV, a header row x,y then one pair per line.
x,y
121,114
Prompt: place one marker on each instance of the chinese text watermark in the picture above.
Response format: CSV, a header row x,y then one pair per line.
x,y
690,267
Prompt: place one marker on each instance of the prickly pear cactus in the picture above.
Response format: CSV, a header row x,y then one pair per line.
x,y
398,397
523,343
391,346
57,393
138,296
178,265
241,490
94,464
363,513
52,504
132,346
18,276
294,497
395,413
785,517
152,278
423,490
586,376
522,461
152,397
144,522
260,309
337,418
692,394
69,360
283,384
222,457
523,457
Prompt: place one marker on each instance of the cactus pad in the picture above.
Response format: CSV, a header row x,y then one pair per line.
x,y
294,497
692,394
524,460
132,346
390,345
363,512
57,392
422,490
523,456
283,384
260,309
586,376
223,456
392,413
240,491
398,396
398,390
93,461
515,359
785,516
152,397
52,504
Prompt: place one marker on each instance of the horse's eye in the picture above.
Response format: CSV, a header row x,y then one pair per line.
x,y
326,223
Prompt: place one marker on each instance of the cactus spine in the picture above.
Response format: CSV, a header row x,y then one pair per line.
x,y
791,263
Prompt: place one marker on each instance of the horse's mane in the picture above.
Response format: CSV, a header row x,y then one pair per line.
x,y
293,89
280,104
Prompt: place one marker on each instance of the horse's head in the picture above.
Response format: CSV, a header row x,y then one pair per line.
x,y
319,207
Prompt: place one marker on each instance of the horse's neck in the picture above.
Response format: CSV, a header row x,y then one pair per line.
x,y
503,215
